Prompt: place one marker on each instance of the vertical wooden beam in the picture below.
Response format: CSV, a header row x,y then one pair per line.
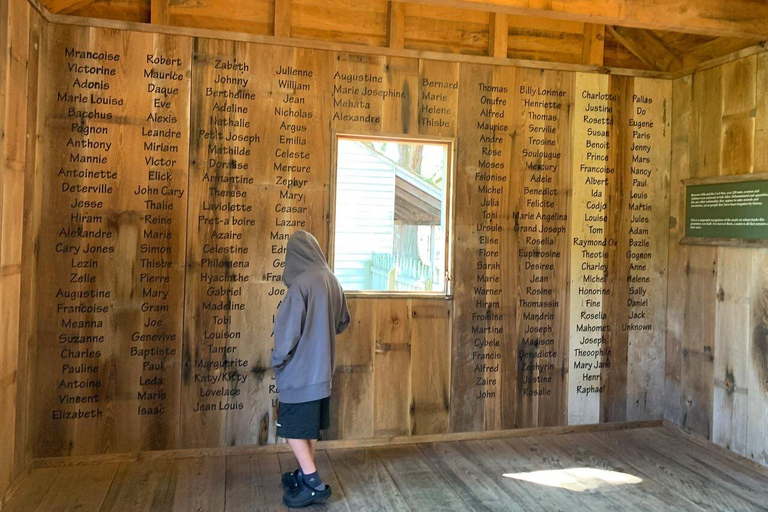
x,y
594,44
160,12
396,25
282,18
498,35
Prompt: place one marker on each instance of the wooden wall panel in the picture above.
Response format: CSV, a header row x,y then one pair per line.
x,y
20,30
392,368
354,407
252,16
115,164
613,403
253,128
592,176
446,29
345,21
757,362
541,184
430,366
621,188
123,10
650,134
716,336
259,171
375,95
698,310
483,364
757,366
29,250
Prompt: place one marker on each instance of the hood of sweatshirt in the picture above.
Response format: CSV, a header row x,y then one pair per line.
x,y
303,252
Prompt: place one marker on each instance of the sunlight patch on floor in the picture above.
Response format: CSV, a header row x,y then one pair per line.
x,y
576,479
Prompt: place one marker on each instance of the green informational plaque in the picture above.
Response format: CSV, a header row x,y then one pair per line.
x,y
735,211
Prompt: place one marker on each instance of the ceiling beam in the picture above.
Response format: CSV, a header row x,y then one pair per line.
x,y
65,6
396,25
731,18
498,36
648,48
593,49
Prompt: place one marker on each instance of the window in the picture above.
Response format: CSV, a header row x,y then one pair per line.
x,y
391,214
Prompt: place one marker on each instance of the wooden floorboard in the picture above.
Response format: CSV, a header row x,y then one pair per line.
x,y
250,483
718,472
479,489
79,488
32,491
673,475
417,479
583,452
504,459
200,485
366,482
649,470
140,487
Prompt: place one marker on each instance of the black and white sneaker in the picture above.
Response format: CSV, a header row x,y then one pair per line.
x,y
291,480
305,496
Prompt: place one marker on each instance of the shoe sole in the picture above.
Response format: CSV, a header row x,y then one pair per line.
x,y
319,498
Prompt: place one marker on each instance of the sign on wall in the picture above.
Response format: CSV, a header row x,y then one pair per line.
x,y
728,210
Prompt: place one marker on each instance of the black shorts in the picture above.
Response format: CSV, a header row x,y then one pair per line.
x,y
304,420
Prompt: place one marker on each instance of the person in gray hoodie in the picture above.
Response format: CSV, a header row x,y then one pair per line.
x,y
308,319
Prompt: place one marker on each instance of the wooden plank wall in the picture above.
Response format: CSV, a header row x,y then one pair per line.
x,y
717,355
182,164
21,30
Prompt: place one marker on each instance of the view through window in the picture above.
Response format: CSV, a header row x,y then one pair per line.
x,y
390,232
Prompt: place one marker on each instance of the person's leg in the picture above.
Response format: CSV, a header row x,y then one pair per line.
x,y
313,448
304,453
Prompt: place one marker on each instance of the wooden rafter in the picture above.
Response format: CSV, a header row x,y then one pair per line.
x,y
733,18
498,36
648,48
593,50
65,6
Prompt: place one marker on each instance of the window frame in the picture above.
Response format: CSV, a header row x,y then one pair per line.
x,y
450,143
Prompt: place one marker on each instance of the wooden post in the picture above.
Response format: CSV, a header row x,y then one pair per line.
x,y
498,35
396,25
282,18
160,12
594,44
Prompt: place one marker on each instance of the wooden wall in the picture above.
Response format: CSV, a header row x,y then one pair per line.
x,y
20,33
173,169
717,350
380,23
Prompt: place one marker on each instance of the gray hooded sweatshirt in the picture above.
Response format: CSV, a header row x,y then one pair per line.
x,y
312,313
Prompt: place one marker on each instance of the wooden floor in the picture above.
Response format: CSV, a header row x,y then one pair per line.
x,y
627,470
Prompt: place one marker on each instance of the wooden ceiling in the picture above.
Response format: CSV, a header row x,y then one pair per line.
x,y
659,35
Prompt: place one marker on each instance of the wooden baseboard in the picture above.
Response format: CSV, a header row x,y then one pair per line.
x,y
339,444
725,452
